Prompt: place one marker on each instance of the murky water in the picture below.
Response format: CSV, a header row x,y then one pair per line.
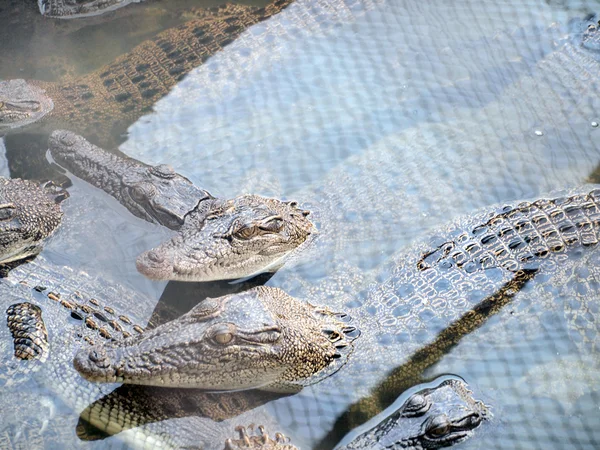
x,y
386,119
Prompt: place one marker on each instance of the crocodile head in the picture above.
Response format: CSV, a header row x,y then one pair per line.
x,y
591,38
256,339
22,103
28,215
154,193
430,418
234,239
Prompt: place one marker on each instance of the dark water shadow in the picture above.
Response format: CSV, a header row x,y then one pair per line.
x,y
179,297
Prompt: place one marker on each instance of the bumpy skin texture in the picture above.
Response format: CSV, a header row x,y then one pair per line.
x,y
28,215
102,104
22,103
219,239
28,331
228,239
154,193
408,322
431,418
501,252
261,338
258,440
70,9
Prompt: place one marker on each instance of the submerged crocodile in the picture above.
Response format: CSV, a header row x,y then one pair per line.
x,y
218,239
102,104
76,8
434,417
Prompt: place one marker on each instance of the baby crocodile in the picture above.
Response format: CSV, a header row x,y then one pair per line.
x,y
104,103
431,418
28,215
218,239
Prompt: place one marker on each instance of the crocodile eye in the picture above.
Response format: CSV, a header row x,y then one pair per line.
x,y
246,233
223,338
438,426
7,211
223,334
142,192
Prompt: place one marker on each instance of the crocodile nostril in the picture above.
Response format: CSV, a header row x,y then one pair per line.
x,y
67,139
99,357
156,257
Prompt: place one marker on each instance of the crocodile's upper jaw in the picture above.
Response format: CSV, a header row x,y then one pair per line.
x,y
242,341
28,215
235,239
22,103
155,193
70,10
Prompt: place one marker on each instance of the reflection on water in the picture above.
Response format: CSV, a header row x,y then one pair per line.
x,y
386,119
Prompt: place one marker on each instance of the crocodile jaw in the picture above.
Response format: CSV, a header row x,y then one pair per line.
x,y
238,238
22,103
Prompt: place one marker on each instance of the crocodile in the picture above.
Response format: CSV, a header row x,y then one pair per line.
x,y
28,215
218,239
101,105
70,9
438,293
441,415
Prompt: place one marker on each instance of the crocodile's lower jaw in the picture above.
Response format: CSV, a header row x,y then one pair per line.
x,y
167,269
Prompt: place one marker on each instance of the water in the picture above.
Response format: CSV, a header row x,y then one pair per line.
x,y
386,119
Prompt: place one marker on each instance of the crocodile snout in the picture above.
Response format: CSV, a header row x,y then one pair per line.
x,y
95,364
62,141
155,265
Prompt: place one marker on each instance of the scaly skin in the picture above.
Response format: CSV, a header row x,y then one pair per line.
x,y
28,330
218,239
28,215
66,9
431,418
429,299
104,103
230,239
154,193
80,311
261,338
425,308
488,253
22,103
